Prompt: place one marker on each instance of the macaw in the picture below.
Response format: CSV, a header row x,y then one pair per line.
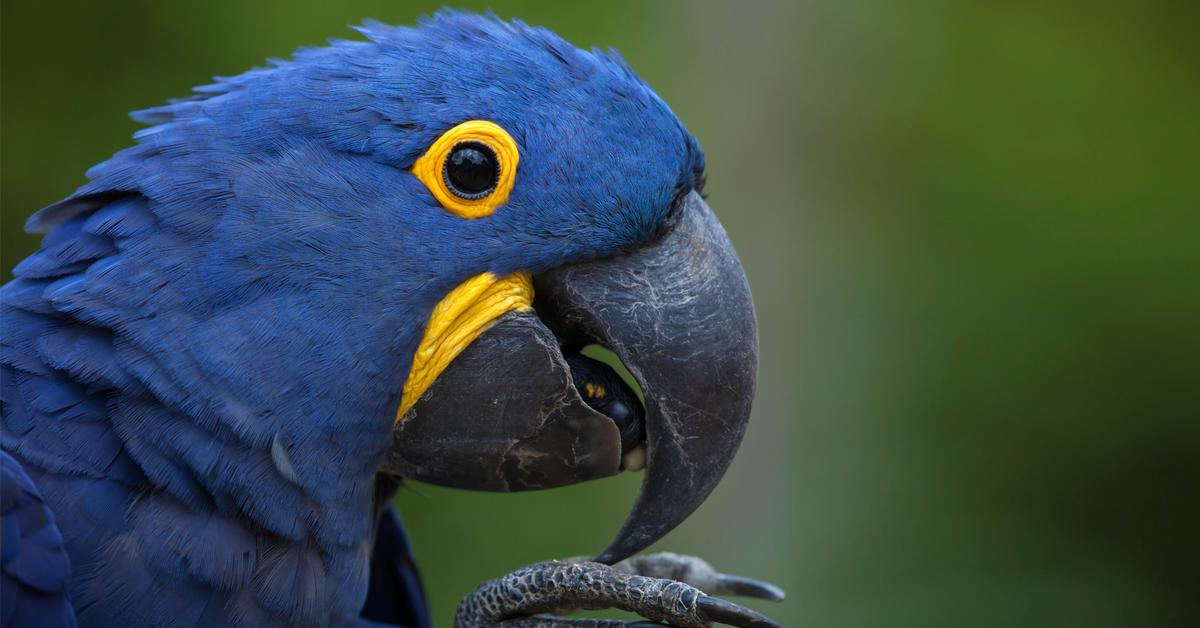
x,y
377,260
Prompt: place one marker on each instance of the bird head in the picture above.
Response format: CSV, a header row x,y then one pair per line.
x,y
381,256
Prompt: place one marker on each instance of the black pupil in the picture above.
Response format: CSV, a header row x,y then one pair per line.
x,y
472,170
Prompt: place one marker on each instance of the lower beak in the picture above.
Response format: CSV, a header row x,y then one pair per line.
x,y
507,415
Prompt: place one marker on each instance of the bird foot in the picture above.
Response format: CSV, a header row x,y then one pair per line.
x,y
662,587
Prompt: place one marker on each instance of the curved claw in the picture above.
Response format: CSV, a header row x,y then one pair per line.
x,y
551,621
521,597
719,611
728,584
698,573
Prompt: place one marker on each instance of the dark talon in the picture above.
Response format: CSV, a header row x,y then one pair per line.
x,y
698,573
718,610
549,621
662,587
748,587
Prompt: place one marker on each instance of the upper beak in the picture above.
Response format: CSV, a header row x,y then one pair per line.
x,y
506,415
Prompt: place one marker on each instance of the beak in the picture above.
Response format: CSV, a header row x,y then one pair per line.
x,y
507,415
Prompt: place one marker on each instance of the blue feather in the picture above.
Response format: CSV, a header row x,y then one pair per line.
x,y
396,596
121,219
34,563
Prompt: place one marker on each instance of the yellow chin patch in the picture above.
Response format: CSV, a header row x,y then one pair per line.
x,y
457,321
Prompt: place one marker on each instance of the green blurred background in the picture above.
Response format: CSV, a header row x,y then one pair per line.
x,y
972,234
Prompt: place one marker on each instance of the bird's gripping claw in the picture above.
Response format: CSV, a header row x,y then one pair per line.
x,y
662,587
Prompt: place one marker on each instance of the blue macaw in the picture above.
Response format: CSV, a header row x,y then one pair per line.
x,y
378,260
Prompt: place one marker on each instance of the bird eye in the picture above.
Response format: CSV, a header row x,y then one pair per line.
x,y
470,169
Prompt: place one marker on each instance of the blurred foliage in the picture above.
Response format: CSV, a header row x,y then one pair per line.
x,y
971,229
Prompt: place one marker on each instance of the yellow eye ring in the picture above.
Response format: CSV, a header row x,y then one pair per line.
x,y
477,143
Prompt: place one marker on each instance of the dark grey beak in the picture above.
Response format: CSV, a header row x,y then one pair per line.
x,y
506,414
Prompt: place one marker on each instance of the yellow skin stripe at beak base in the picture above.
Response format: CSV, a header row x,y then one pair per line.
x,y
457,321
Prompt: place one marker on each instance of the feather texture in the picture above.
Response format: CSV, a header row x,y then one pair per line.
x,y
34,563
250,280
